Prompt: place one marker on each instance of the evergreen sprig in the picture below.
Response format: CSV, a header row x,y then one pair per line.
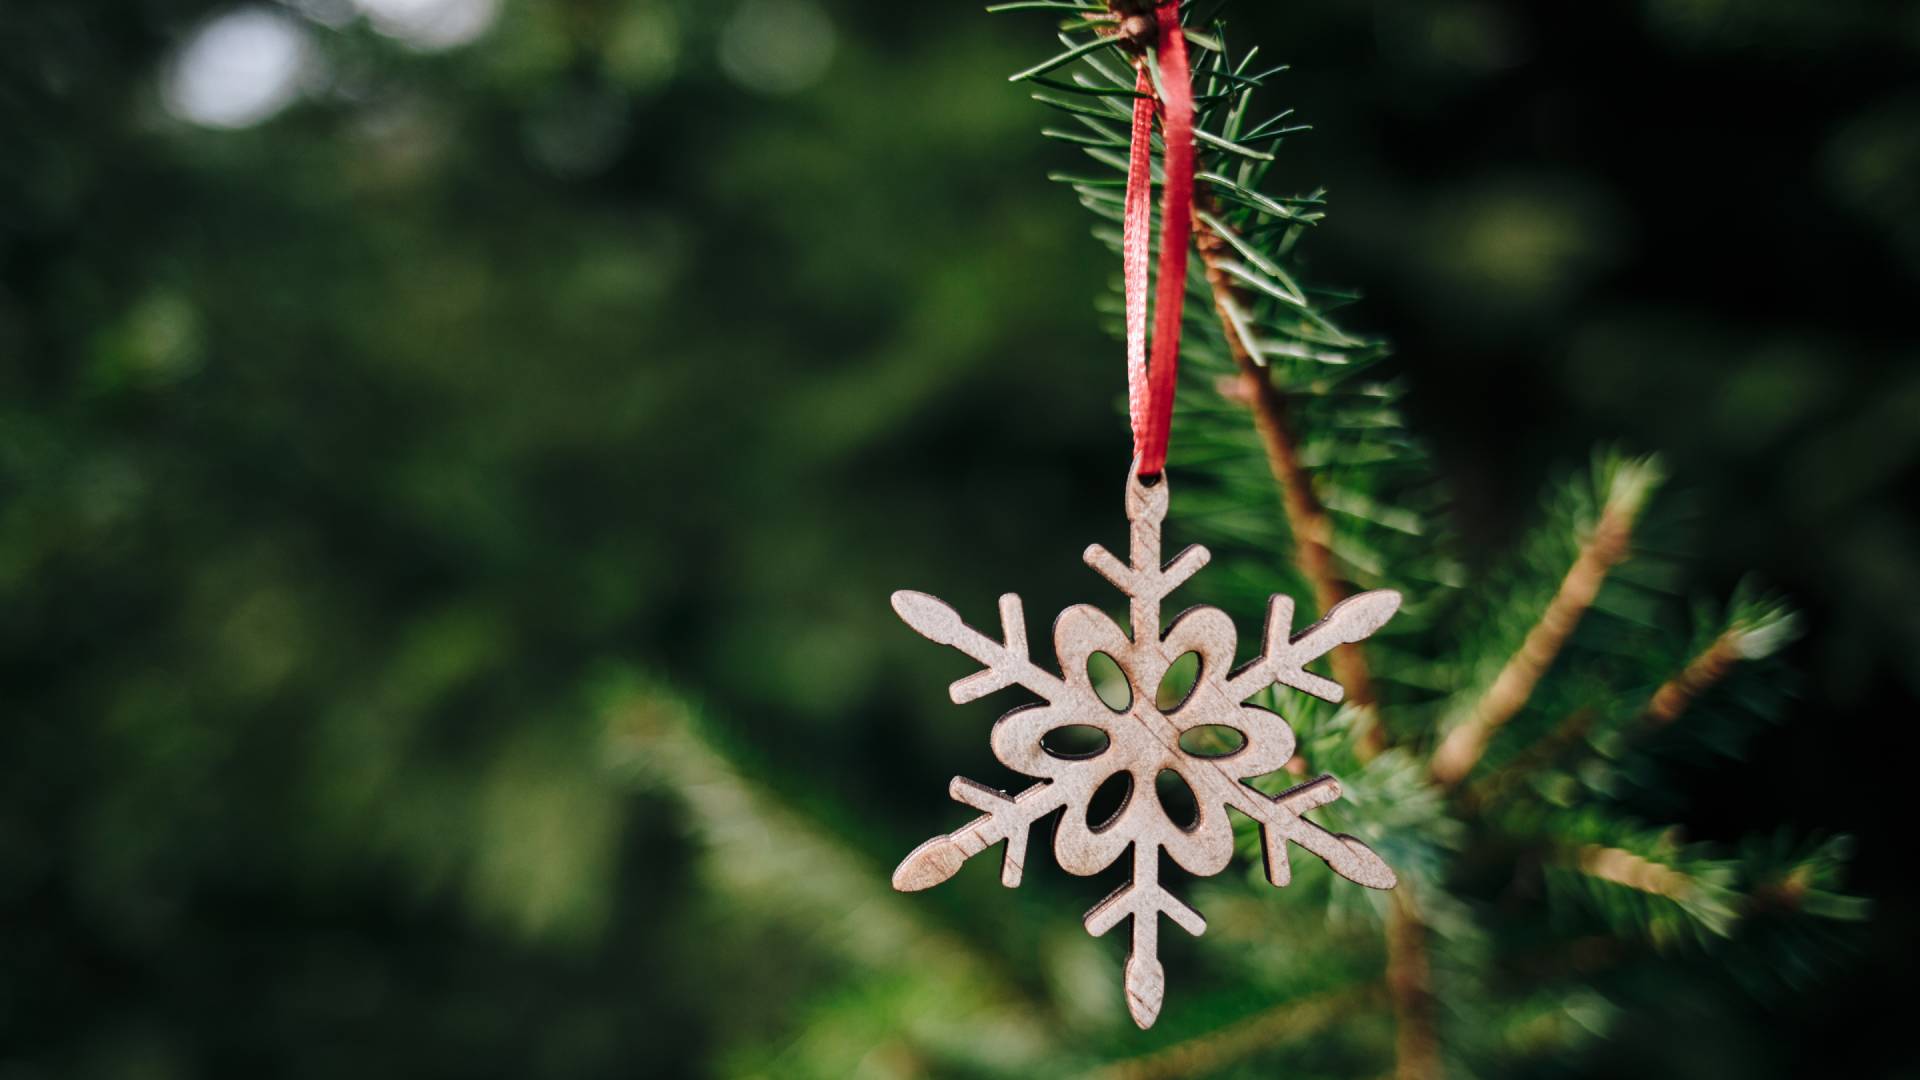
x,y
1505,743
1520,712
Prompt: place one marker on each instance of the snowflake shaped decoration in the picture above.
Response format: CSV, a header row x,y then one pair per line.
x,y
1143,740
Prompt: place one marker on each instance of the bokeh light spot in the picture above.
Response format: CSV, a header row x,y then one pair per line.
x,y
644,47
238,69
777,46
431,24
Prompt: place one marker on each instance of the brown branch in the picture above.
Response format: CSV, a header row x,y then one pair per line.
x,y
1307,517
1461,749
1667,705
1410,984
1700,674
1784,895
1409,974
1622,867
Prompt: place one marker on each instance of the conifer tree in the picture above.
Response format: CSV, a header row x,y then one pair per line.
x,y
1505,743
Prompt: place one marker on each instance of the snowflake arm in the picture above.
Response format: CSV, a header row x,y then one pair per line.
x,y
1286,657
1280,821
1004,817
1007,662
1143,900
1284,662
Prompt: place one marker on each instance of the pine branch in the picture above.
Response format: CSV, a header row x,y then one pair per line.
x,y
1710,894
1307,519
1359,506
1410,983
1642,883
1311,528
1755,629
1510,690
767,857
1700,674
1622,867
1409,975
1793,876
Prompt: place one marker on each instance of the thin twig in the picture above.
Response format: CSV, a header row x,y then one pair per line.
x,y
1701,673
1410,984
1307,518
1409,974
1461,749
1624,868
758,851
1667,705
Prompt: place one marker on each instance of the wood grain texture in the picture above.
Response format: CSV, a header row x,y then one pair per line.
x,y
1143,740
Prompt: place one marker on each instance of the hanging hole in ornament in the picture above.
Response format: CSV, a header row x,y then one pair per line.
x,y
1178,683
1109,682
1212,740
1176,799
1075,741
1109,799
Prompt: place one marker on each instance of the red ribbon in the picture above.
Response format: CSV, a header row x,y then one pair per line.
x,y
1150,387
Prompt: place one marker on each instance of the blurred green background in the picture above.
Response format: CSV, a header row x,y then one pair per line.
x,y
391,389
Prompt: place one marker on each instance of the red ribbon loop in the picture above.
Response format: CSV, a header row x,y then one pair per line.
x,y
1150,386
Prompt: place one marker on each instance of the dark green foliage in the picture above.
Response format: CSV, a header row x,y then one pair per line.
x,y
350,462
1540,852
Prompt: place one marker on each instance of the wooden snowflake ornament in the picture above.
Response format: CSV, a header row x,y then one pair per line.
x,y
1143,740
